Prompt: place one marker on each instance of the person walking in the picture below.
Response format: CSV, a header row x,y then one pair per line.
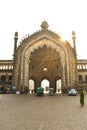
x,y
82,98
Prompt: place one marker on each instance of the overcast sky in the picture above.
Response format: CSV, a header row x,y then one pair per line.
x,y
26,16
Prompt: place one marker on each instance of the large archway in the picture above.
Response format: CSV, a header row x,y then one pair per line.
x,y
45,62
44,54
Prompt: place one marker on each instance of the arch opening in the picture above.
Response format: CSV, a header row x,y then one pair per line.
x,y
45,84
58,86
31,86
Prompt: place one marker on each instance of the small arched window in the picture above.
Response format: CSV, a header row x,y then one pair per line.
x,y
3,78
80,77
86,78
10,77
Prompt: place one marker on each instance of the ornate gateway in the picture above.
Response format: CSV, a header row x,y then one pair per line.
x,y
44,56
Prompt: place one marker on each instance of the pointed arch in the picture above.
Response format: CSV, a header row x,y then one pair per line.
x,y
45,84
31,85
58,86
39,40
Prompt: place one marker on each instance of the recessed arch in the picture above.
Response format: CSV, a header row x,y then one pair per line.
x,y
86,78
3,79
10,77
49,44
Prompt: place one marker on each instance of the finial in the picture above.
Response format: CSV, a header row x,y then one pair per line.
x,y
44,25
74,40
73,33
15,40
16,35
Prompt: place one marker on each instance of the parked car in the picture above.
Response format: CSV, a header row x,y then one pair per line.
x,y
72,92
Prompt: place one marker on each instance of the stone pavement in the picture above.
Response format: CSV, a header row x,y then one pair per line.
x,y
29,112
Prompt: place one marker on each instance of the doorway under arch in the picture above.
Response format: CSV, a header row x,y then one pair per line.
x,y
45,84
58,86
31,85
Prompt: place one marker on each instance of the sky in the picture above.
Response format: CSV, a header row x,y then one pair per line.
x,y
26,16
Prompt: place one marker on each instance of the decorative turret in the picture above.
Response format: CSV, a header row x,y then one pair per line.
x,y
15,40
44,25
74,40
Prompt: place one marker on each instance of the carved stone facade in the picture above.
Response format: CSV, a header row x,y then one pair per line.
x,y
44,47
44,55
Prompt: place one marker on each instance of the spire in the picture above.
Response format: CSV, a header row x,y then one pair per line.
x,y
74,40
15,40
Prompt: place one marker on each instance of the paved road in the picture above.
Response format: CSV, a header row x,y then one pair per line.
x,y
29,112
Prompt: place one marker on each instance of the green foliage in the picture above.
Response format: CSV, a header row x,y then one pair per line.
x,y
82,98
